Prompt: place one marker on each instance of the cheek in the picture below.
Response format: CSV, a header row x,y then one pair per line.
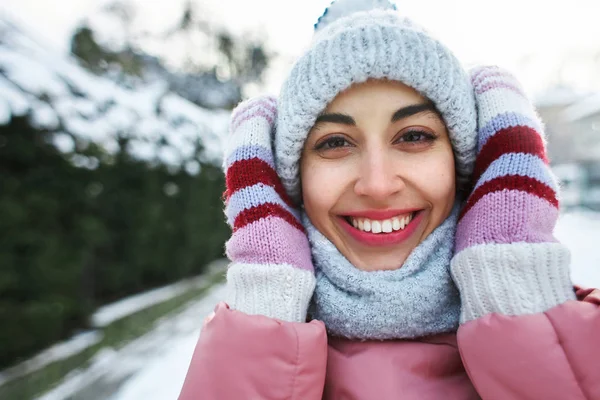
x,y
435,177
446,181
322,187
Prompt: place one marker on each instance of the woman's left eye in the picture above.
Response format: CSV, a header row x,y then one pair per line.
x,y
416,137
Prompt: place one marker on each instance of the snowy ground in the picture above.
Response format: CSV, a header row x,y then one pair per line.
x,y
580,231
153,367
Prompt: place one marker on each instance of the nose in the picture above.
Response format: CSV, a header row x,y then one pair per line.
x,y
378,177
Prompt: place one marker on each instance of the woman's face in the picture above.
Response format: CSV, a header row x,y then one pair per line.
x,y
377,173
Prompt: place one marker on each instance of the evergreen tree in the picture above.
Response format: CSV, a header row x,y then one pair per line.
x,y
76,238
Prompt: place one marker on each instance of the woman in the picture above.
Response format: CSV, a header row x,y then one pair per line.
x,y
416,292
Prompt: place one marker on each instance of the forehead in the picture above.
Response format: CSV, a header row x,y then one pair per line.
x,y
374,93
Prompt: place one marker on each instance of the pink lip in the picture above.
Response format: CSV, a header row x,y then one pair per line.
x,y
383,239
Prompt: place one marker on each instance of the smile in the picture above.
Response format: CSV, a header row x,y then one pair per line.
x,y
382,228
390,225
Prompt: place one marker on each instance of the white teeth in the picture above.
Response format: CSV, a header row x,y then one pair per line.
x,y
367,225
376,227
385,226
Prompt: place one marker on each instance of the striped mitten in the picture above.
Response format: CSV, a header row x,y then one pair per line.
x,y
271,272
506,258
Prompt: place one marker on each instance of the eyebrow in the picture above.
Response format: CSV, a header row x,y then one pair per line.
x,y
402,113
415,109
336,118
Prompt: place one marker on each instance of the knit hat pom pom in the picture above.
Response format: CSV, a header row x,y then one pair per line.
x,y
342,8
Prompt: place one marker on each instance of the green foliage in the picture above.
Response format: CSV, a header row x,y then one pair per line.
x,y
238,60
115,335
76,238
99,59
84,46
245,61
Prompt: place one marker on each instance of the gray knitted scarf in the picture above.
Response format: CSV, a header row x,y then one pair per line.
x,y
416,300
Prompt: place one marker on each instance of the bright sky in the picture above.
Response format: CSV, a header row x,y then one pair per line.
x,y
541,41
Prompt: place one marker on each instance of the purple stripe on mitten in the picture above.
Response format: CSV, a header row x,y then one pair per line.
x,y
507,259
271,272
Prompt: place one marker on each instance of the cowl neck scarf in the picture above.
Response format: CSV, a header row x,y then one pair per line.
x,y
416,300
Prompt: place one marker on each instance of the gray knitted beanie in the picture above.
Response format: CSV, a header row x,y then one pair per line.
x,y
356,40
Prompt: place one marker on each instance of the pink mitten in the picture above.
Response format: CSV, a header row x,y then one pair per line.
x,y
506,257
271,272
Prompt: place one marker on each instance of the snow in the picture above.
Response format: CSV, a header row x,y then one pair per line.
x,y
77,380
17,101
584,108
102,317
113,34
58,94
4,112
572,184
121,118
342,8
568,171
44,116
171,362
32,76
151,367
168,156
57,352
593,195
192,167
580,231
557,96
112,312
63,142
142,150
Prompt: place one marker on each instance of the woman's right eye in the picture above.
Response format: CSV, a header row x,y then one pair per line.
x,y
331,143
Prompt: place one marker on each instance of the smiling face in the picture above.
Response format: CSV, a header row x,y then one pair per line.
x,y
377,173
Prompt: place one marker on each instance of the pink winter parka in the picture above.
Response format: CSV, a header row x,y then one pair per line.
x,y
553,355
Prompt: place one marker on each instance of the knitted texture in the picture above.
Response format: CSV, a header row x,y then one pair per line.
x,y
351,47
271,272
419,299
507,259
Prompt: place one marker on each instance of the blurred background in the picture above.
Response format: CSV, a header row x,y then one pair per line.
x,y
111,119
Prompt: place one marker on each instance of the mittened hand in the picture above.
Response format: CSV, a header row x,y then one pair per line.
x,y
506,257
271,272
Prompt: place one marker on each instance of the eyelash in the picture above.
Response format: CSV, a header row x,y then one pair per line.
x,y
323,145
426,137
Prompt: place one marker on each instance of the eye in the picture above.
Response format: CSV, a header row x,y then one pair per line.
x,y
416,136
332,142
